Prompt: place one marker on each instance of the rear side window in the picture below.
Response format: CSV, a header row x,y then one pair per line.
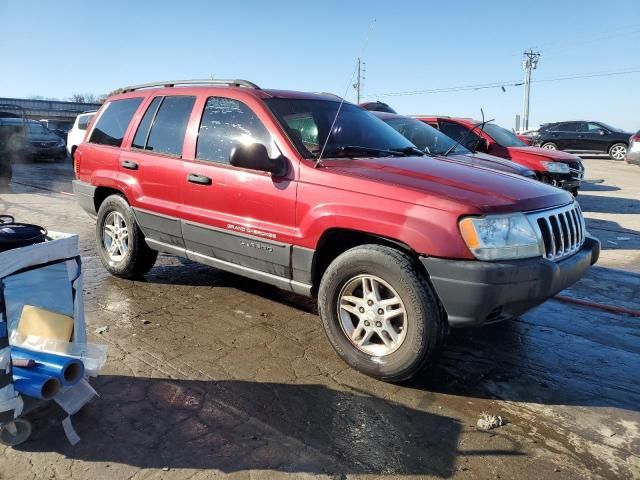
x,y
568,127
140,140
113,122
169,125
83,121
226,123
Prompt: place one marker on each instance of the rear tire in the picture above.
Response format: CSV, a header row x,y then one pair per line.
x,y
419,331
618,151
550,146
120,242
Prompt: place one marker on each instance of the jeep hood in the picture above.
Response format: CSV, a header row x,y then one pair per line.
x,y
447,185
544,154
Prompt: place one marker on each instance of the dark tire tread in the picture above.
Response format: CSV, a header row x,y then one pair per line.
x,y
431,334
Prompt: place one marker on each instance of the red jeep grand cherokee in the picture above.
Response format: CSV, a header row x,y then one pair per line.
x,y
321,198
557,168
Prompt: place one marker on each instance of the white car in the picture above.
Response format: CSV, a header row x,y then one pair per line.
x,y
76,134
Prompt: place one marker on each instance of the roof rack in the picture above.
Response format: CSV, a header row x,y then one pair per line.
x,y
172,83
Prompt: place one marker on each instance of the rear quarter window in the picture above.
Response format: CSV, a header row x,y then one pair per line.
x,y
113,122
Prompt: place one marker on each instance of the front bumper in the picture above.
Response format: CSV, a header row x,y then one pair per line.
x,y
566,181
475,293
37,152
633,157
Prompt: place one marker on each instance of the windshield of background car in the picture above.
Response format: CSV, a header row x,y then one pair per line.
x,y
610,128
37,129
426,138
502,136
308,123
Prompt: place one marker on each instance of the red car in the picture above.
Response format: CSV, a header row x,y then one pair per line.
x,y
321,198
557,168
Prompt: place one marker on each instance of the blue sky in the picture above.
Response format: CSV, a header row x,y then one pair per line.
x,y
59,48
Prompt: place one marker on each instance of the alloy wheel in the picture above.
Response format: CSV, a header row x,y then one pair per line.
x,y
115,236
372,315
618,152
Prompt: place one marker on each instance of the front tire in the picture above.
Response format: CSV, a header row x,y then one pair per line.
x,y
550,146
120,242
380,313
618,151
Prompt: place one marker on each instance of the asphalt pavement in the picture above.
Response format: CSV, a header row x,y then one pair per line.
x,y
212,375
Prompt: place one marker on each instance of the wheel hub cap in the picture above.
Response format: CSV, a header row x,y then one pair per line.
x,y
372,315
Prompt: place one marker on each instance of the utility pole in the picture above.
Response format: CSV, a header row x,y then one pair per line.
x,y
529,63
359,83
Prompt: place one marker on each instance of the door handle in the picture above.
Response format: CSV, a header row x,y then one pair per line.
x,y
199,179
129,164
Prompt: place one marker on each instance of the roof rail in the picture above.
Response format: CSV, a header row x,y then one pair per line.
x,y
172,83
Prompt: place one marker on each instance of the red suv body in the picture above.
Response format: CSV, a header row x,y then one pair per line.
x,y
321,198
555,167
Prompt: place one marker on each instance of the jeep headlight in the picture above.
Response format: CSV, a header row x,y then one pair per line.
x,y
556,167
500,237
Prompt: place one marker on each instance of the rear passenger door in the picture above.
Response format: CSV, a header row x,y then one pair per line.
x,y
152,167
234,215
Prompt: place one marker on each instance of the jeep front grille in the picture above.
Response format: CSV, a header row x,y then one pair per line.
x,y
561,231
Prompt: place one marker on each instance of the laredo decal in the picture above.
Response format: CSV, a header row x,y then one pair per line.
x,y
251,231
258,246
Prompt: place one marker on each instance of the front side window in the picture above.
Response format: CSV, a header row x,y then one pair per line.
x,y
425,137
459,133
594,128
355,132
169,125
502,136
113,122
225,124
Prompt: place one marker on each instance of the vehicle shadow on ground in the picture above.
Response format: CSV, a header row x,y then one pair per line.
x,y
557,354
600,204
599,186
240,425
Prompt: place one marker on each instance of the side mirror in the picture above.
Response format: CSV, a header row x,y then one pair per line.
x,y
256,157
601,132
480,145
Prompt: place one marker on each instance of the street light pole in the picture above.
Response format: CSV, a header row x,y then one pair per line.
x,y
529,63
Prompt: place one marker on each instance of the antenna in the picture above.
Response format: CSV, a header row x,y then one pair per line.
x,y
346,91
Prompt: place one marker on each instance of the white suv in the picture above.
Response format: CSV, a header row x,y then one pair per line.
x,y
76,134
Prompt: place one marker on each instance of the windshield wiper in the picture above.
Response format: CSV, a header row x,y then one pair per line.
x,y
361,149
408,151
467,133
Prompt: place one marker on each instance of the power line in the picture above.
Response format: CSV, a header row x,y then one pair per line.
x,y
507,83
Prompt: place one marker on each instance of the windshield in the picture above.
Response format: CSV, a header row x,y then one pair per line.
x,y
426,138
36,128
610,128
308,123
502,136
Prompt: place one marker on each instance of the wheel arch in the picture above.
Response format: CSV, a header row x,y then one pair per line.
x,y
336,241
101,194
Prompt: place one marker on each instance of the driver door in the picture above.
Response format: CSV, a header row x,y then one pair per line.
x,y
234,215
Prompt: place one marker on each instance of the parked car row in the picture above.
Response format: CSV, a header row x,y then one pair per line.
x,y
398,231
